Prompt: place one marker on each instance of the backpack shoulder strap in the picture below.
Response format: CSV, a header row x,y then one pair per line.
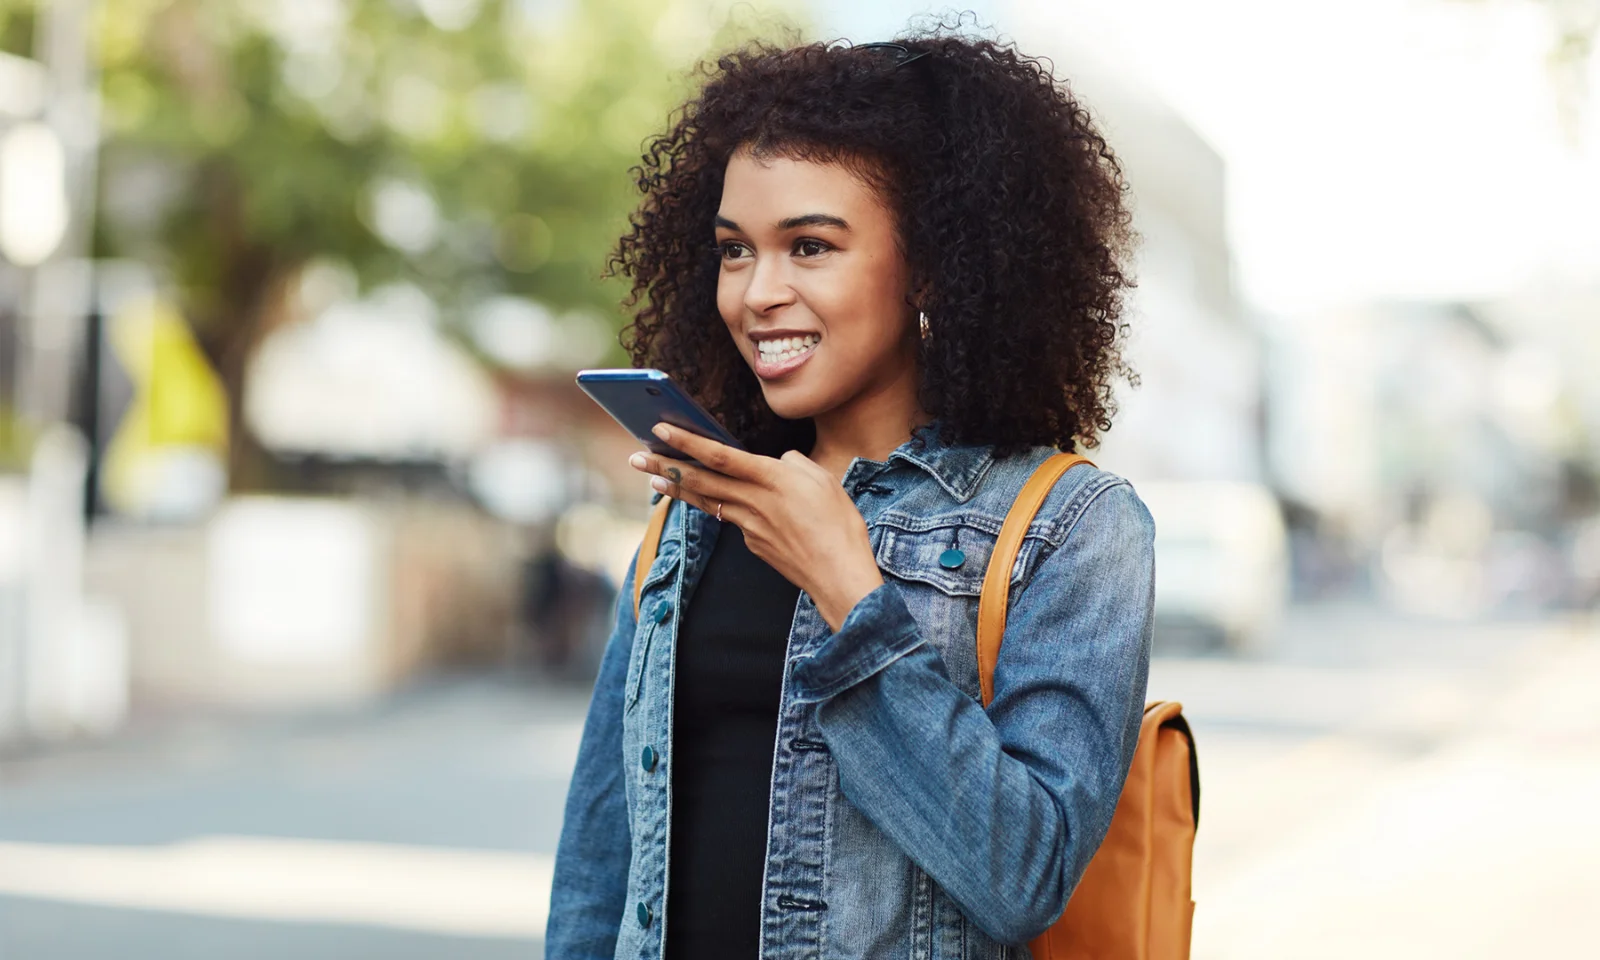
x,y
997,579
648,548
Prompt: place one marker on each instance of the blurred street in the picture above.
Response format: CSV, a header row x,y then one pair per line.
x,y
1397,790
309,541
1356,786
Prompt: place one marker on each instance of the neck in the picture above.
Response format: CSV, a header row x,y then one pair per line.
x,y
871,425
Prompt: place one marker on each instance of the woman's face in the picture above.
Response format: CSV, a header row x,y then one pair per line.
x,y
813,285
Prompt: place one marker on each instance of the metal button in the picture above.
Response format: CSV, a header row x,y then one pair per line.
x,y
647,759
952,558
663,611
643,913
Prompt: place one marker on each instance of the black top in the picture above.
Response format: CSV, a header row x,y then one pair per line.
x,y
729,675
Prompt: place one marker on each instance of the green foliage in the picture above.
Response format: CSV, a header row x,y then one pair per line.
x,y
472,147
16,441
16,28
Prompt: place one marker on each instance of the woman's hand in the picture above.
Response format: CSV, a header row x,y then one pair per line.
x,y
795,515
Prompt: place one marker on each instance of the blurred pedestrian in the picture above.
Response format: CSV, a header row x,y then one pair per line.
x,y
895,271
559,604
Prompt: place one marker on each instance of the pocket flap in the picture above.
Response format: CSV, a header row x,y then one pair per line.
x,y
952,559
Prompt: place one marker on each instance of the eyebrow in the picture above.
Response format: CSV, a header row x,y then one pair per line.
x,y
790,223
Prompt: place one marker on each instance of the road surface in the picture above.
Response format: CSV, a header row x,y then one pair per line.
x,y
1374,788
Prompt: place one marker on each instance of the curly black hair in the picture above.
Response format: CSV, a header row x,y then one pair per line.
x,y
1010,212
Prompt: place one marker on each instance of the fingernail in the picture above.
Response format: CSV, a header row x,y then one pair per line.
x,y
638,461
660,430
658,483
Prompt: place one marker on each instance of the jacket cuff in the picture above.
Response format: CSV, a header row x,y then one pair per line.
x,y
878,631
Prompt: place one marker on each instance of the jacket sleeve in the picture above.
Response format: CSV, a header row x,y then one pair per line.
x,y
592,856
1004,808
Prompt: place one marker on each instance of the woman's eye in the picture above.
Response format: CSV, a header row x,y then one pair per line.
x,y
810,248
732,250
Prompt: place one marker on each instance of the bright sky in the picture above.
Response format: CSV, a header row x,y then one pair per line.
x,y
862,21
1376,148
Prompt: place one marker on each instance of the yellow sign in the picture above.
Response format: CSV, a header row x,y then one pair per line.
x,y
178,401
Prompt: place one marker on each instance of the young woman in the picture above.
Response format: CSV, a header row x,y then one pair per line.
x,y
895,272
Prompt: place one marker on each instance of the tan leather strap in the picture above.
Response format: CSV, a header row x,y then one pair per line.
x,y
648,548
997,579
1169,713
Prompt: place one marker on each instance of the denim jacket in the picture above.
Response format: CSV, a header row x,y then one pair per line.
x,y
905,820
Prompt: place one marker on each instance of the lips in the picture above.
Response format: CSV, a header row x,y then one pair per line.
x,y
779,356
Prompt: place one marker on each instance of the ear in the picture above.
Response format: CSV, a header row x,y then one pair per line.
x,y
918,294
913,313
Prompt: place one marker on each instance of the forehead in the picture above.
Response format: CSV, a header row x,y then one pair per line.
x,y
767,189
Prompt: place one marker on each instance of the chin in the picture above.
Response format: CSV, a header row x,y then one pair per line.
x,y
792,404
793,411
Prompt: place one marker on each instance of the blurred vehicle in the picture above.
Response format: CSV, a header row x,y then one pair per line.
x,y
1222,563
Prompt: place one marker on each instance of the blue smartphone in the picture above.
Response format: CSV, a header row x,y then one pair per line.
x,y
640,399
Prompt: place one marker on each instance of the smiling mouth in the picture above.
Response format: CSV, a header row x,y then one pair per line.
x,y
784,349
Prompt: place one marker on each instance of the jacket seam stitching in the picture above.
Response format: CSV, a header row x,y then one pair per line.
x,y
856,675
1068,521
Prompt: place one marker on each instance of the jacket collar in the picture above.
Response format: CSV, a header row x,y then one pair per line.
x,y
957,468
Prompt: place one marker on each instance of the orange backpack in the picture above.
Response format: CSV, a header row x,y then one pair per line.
x,y
1134,900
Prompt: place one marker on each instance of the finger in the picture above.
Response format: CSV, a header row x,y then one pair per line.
x,y
729,511
680,474
716,456
658,465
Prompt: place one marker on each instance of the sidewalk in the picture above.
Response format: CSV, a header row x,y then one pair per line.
x,y
1483,848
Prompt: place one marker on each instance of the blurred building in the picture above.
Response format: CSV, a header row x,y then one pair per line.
x,y
1189,435
1437,455
1196,413
1443,445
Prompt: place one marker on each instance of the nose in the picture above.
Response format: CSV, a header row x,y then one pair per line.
x,y
769,286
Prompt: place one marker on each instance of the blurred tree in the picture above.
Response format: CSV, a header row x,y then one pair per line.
x,y
1575,27
265,154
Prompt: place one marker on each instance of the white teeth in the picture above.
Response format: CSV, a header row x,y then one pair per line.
x,y
786,348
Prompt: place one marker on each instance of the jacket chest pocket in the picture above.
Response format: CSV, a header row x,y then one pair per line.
x,y
939,567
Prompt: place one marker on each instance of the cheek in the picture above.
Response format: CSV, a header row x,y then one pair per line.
x,y
730,298
867,315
